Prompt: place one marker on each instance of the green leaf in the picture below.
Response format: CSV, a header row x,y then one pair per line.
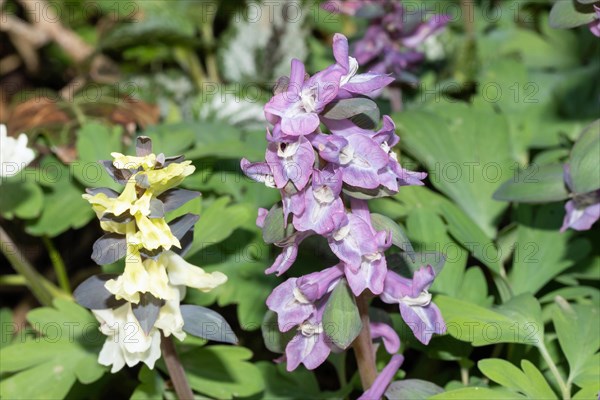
x,y
478,393
20,196
427,233
530,383
172,139
96,142
414,389
585,160
536,184
151,385
467,153
471,236
568,14
516,321
576,324
284,385
341,319
65,353
8,327
214,139
274,230
63,195
222,372
399,238
215,227
541,251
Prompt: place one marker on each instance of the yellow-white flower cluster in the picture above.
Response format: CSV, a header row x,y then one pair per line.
x,y
151,267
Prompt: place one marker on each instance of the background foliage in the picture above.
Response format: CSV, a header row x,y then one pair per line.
x,y
505,104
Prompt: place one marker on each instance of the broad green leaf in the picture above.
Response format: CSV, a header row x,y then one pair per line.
x,y
467,153
222,372
415,389
576,324
584,162
96,142
536,184
64,194
283,385
471,236
542,251
151,385
478,393
569,14
20,196
530,383
8,328
427,233
516,321
218,221
66,351
220,140
341,319
172,139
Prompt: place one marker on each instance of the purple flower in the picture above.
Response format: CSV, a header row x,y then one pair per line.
x,y
383,380
351,82
298,107
349,239
372,44
260,218
290,304
433,26
583,210
388,335
314,286
291,160
322,201
310,346
420,314
372,270
259,172
359,157
288,255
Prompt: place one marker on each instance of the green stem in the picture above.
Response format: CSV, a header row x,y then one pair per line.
x,y
58,264
38,285
363,346
13,280
211,60
564,388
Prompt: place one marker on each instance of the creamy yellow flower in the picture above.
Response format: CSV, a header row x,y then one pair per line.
x,y
153,233
132,162
183,273
140,277
102,204
166,178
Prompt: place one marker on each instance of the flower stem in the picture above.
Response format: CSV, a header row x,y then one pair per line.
x,y
40,287
363,346
180,383
564,388
395,98
58,264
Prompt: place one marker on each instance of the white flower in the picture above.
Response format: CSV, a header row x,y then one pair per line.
x,y
126,342
14,153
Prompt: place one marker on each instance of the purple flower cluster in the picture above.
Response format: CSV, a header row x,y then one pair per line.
x,y
394,39
318,175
